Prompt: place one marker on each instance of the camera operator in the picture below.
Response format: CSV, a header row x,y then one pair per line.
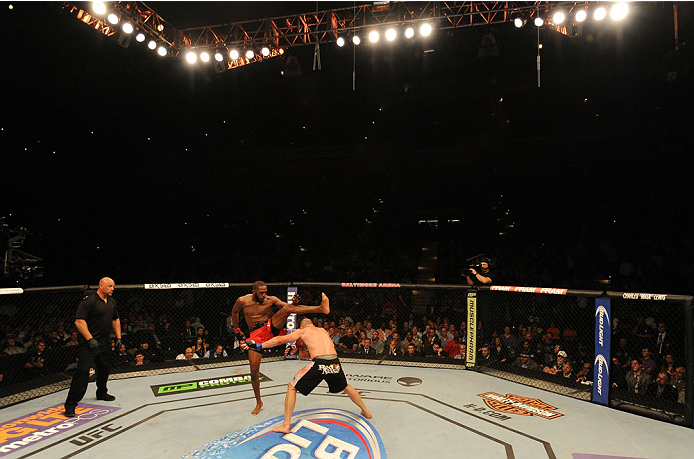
x,y
480,274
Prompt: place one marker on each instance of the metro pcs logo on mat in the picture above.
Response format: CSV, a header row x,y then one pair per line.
x,y
35,427
322,432
515,404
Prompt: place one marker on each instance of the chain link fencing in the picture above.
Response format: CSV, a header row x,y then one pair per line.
x,y
544,338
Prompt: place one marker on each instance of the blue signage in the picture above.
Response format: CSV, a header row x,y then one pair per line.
x,y
601,365
322,432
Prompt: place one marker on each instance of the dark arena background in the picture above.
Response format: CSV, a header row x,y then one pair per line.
x,y
376,169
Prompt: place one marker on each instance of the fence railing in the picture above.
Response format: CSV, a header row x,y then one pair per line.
x,y
578,343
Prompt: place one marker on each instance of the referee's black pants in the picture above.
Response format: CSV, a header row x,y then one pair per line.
x,y
100,361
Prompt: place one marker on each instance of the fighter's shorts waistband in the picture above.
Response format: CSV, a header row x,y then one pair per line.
x,y
325,357
258,325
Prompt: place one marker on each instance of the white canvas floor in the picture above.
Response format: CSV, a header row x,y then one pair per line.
x,y
417,412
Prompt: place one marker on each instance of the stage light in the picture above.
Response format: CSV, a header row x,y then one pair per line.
x,y
128,28
600,14
391,34
152,45
558,17
233,54
619,11
374,36
250,54
265,51
519,22
425,29
538,22
191,57
581,15
356,40
409,32
140,37
99,8
112,18
162,51
205,56
340,42
218,57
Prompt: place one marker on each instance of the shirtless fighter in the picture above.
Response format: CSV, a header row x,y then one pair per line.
x,y
325,366
263,324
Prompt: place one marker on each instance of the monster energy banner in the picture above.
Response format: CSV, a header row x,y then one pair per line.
x,y
203,384
471,346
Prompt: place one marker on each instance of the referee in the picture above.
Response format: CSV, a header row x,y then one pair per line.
x,y
96,315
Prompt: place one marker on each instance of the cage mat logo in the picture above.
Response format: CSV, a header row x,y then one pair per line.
x,y
516,404
203,384
321,432
28,430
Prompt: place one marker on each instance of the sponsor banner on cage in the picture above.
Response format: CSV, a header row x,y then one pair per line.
x,y
291,325
545,290
471,345
644,296
601,365
187,285
28,430
11,291
320,432
371,284
203,384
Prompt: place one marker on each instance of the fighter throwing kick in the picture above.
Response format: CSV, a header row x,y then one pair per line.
x,y
263,324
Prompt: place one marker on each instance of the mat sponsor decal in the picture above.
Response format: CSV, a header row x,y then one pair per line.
x,y
409,381
28,430
369,378
203,384
321,432
516,404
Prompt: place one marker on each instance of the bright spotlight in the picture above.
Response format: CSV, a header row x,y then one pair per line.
x,y
112,18
356,40
600,14
250,54
538,22
205,56
140,37
519,22
161,51
152,45
191,57
99,8
233,54
218,57
265,51
409,32
425,30
374,36
128,28
340,42
391,34
558,17
581,15
619,11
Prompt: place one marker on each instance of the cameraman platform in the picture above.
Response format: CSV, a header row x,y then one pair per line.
x,y
480,274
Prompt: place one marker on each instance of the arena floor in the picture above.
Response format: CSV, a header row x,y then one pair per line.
x,y
417,412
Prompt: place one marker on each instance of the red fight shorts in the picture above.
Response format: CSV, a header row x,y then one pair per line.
x,y
265,332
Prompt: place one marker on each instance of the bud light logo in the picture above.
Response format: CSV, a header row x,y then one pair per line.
x,y
317,433
601,368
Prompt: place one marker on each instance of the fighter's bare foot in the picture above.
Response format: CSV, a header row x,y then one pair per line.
x,y
366,414
282,429
257,409
324,304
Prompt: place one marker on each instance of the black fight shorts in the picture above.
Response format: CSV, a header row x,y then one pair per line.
x,y
320,369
